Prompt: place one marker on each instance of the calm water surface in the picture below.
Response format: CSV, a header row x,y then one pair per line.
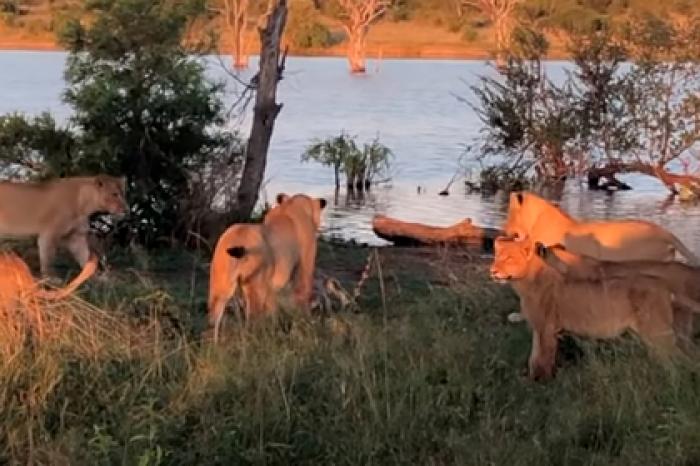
x,y
410,104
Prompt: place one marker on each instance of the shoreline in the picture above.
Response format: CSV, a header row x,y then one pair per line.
x,y
374,51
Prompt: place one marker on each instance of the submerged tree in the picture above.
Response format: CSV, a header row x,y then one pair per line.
x,y
358,16
234,14
501,13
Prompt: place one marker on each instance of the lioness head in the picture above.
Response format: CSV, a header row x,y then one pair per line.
x,y
511,258
108,194
312,206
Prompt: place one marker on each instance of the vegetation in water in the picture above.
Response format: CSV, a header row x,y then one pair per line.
x,y
628,104
361,166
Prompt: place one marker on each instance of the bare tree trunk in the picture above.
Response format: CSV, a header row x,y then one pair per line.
x,y
356,50
265,111
501,25
240,56
235,13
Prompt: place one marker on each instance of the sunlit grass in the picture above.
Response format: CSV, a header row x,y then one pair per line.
x,y
428,372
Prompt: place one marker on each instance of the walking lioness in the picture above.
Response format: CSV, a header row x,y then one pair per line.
x,y
263,259
57,212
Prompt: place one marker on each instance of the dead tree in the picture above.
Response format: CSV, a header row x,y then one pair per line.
x,y
501,13
266,108
358,16
235,16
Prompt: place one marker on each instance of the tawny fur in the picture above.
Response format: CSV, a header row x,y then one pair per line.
x,y
682,280
552,304
57,212
18,284
617,241
264,258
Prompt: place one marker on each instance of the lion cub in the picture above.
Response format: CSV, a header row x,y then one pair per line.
x,y
57,212
552,304
262,259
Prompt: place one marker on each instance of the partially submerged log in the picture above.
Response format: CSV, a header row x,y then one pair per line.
x,y
402,233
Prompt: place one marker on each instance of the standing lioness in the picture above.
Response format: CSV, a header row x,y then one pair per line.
x,y
263,259
57,212
616,241
553,304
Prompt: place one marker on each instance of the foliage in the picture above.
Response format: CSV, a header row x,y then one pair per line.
x,y
304,29
36,147
528,120
360,165
639,116
143,106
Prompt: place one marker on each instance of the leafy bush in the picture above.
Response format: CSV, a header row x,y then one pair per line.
x,y
35,147
144,108
304,30
311,35
469,33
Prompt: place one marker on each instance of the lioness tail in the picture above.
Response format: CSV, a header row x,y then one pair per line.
x,y
88,271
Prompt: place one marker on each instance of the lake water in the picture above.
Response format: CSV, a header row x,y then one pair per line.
x,y
410,105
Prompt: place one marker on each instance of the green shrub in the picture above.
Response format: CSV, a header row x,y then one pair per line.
x,y
145,109
469,33
304,30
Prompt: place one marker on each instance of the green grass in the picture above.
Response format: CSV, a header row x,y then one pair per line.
x,y
427,372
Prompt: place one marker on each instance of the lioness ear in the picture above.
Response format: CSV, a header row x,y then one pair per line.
x,y
528,247
322,202
281,197
236,251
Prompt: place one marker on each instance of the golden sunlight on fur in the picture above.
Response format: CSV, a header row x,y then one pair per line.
x,y
552,304
264,258
623,240
21,297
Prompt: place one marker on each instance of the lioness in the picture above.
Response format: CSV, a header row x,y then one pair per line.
x,y
552,304
57,211
264,258
18,283
621,240
681,279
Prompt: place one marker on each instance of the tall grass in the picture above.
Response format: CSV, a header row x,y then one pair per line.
x,y
428,372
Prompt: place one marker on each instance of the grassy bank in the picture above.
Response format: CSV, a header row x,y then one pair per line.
x,y
427,372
